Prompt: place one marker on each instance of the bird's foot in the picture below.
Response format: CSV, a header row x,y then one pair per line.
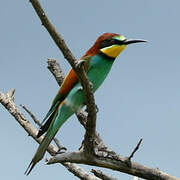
x,y
91,85
81,63
80,88
97,109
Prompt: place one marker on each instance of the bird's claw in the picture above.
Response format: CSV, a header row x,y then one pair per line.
x,y
80,63
91,85
80,88
97,109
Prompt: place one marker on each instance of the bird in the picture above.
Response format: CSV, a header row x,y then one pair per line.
x,y
70,98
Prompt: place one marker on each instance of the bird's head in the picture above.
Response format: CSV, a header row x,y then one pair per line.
x,y
111,45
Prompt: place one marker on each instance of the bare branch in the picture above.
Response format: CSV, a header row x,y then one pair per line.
x,y
53,32
56,70
79,172
114,162
135,149
101,175
91,119
77,66
82,117
32,115
7,101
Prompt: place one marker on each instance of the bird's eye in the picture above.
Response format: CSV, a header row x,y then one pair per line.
x,y
107,42
113,41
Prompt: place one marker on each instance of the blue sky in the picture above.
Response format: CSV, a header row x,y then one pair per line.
x,y
139,99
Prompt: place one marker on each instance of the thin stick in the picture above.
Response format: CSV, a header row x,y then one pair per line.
x,y
135,149
89,97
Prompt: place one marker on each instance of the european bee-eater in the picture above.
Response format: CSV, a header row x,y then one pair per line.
x,y
70,97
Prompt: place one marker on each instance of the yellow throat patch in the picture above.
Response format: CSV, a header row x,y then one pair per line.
x,y
113,51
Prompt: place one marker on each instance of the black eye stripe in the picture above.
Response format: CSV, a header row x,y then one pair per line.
x,y
109,42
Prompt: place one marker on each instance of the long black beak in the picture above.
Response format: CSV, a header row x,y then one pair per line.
x,y
131,41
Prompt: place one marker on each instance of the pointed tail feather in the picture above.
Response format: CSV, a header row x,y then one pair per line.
x,y
60,116
40,152
30,167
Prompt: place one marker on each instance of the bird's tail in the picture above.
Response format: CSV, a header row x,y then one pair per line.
x,y
40,152
59,118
